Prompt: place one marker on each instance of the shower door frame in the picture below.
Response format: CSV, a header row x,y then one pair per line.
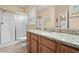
x,y
1,17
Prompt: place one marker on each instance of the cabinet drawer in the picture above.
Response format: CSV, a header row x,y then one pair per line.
x,y
68,49
49,43
44,49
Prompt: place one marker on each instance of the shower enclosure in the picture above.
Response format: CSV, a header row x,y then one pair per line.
x,y
12,26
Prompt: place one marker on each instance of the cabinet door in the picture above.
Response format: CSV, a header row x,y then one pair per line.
x,y
44,49
28,41
33,46
34,43
67,49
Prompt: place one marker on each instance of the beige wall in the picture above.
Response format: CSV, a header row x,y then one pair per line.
x,y
60,9
31,10
28,9
52,11
49,11
73,21
12,8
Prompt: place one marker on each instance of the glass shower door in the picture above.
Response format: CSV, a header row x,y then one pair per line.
x,y
7,27
21,22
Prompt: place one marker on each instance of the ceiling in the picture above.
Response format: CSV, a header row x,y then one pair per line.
x,y
22,6
38,7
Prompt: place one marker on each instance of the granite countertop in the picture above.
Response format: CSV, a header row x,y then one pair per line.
x,y
72,40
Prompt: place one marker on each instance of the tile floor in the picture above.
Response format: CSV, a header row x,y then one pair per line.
x,y
15,48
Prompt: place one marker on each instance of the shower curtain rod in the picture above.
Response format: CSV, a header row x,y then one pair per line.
x,y
11,11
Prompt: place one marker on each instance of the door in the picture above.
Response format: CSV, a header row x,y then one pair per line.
x,y
7,27
21,22
34,46
34,43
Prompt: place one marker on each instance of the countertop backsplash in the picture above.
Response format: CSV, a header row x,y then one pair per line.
x,y
69,31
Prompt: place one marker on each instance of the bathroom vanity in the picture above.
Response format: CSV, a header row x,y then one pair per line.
x,y
45,42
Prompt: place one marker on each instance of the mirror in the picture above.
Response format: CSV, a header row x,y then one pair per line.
x,y
63,20
76,8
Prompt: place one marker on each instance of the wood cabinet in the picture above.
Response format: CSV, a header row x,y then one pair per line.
x,y
44,49
41,44
28,41
34,43
68,49
50,45
34,46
